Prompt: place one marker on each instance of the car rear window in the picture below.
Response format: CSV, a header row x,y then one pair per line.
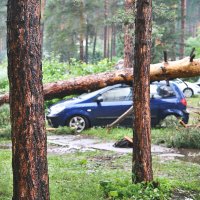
x,y
161,91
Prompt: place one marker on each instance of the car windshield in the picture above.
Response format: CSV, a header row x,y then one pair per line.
x,y
90,94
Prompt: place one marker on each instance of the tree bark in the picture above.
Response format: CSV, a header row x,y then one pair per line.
x,y
128,34
183,23
161,71
105,27
94,46
142,161
43,4
29,142
81,46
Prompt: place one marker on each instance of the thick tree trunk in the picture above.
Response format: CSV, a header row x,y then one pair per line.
x,y
142,161
161,71
128,34
29,146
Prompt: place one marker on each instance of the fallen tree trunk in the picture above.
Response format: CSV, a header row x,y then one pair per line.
x,y
162,71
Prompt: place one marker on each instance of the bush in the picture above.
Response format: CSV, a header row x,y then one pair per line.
x,y
177,137
186,138
124,189
4,116
54,70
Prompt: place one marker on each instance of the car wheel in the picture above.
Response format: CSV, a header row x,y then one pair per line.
x,y
188,92
79,123
170,121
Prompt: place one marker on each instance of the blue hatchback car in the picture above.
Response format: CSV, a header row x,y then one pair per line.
x,y
103,106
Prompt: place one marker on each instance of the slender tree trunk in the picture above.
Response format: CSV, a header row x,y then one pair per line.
x,y
86,42
108,43
128,34
183,23
111,43
105,27
81,31
114,40
142,163
94,46
29,146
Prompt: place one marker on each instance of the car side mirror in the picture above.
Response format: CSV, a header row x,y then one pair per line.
x,y
99,99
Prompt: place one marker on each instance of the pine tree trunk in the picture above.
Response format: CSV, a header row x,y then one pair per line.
x,y
160,71
105,27
86,42
183,23
43,4
81,31
142,163
29,142
114,40
128,34
94,46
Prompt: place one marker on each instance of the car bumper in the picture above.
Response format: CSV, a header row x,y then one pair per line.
x,y
53,121
185,116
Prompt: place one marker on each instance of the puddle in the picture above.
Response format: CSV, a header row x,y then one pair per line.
x,y
190,155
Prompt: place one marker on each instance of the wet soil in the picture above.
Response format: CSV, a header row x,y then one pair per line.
x,y
74,143
60,144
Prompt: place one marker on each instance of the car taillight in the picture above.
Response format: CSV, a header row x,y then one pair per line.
x,y
184,102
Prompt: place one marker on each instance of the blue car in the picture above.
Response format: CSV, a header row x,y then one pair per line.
x,y
103,106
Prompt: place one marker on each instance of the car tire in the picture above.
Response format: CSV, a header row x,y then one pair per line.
x,y
78,123
188,92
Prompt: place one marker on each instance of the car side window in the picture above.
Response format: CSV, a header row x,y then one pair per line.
x,y
161,91
118,94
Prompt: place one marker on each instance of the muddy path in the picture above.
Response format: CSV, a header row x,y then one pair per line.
x,y
64,144
79,143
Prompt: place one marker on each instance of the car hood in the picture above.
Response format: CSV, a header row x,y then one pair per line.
x,y
66,103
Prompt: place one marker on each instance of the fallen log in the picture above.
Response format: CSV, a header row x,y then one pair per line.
x,y
162,71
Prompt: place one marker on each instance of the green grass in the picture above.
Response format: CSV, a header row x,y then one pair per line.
x,y
77,176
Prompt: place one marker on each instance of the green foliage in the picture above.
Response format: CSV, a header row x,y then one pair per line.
x,y
79,176
5,175
54,70
4,116
194,42
179,138
114,133
124,189
62,131
3,79
186,138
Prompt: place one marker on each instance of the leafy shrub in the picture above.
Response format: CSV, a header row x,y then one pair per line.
x,y
177,137
186,138
124,189
4,116
54,70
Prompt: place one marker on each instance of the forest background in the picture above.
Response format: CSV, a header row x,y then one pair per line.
x,y
79,29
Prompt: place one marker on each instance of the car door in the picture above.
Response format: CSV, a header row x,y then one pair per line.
x,y
114,103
